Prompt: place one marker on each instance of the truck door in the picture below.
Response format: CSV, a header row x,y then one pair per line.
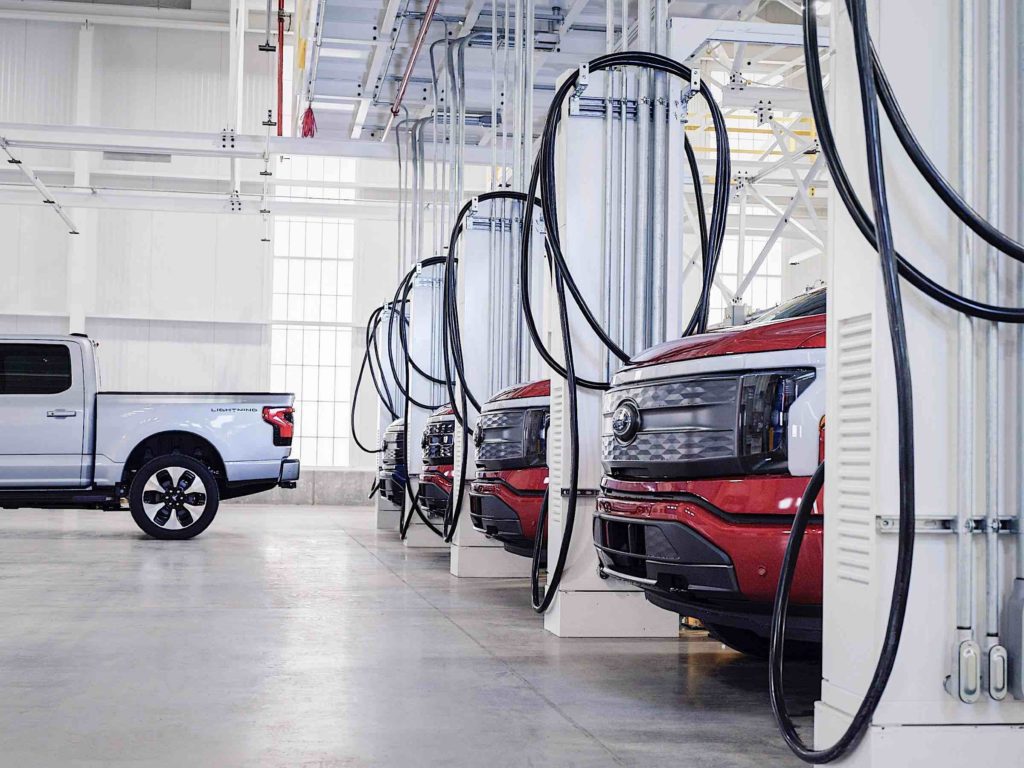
x,y
42,414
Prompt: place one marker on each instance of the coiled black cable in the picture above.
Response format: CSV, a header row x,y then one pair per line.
x,y
874,87
453,351
844,187
543,178
401,300
371,330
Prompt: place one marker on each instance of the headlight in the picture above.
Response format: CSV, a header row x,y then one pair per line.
x,y
765,399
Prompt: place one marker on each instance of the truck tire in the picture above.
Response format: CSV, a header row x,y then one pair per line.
x,y
753,644
173,497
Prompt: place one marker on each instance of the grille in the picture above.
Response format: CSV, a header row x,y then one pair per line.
x,y
510,439
501,435
701,426
439,440
394,447
682,421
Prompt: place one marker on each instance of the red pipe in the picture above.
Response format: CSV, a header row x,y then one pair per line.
x,y
280,67
413,55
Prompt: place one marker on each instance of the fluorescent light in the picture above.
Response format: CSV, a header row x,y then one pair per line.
x,y
334,106
341,53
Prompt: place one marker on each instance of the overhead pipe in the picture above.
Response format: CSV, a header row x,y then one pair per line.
x,y
280,66
413,55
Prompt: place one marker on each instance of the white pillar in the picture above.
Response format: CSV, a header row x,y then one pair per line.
x,y
473,554
586,605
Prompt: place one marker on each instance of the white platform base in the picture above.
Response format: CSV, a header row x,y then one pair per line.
x,y
388,517
608,614
421,537
922,746
487,562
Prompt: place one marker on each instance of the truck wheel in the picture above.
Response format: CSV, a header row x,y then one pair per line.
x,y
752,644
173,497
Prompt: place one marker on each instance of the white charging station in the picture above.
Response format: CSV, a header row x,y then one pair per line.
x,y
586,605
488,301
928,716
425,347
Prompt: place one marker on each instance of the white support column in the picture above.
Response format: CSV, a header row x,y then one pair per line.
x,y
81,272
586,605
473,554
861,482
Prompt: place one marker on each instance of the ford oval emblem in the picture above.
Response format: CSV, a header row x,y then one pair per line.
x,y
626,422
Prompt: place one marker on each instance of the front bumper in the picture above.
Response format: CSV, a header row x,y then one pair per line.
x,y
434,491
391,483
506,505
695,558
289,473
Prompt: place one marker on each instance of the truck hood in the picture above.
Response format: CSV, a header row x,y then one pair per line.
x,y
798,333
540,388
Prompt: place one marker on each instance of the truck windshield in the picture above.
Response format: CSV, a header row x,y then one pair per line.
x,y
812,303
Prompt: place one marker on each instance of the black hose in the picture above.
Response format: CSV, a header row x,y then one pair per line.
x,y
905,423
547,594
371,329
401,299
698,193
543,179
453,344
860,217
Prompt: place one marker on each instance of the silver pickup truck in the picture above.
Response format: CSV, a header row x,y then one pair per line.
x,y
172,456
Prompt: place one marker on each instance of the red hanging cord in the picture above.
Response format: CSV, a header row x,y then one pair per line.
x,y
308,123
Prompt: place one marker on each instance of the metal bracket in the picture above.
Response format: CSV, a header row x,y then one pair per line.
x,y
684,103
891,524
586,492
474,206
582,81
764,110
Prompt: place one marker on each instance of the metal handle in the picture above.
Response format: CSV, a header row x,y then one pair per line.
x,y
61,413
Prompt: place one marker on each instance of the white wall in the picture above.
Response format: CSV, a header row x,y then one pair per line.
x,y
177,300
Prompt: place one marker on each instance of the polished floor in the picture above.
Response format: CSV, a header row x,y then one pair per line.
x,y
289,636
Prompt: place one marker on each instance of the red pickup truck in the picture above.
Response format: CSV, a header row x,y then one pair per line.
x,y
505,499
438,446
707,446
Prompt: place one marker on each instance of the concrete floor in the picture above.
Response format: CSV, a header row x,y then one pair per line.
x,y
291,636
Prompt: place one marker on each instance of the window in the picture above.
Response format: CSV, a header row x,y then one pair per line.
x,y
311,336
764,290
34,369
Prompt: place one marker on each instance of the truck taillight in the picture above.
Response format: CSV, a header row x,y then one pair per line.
x,y
283,422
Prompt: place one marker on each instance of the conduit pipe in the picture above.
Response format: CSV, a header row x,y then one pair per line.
x,y
994,502
280,66
413,55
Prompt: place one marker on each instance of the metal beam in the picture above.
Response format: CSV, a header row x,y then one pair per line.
x,y
47,196
387,36
192,144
